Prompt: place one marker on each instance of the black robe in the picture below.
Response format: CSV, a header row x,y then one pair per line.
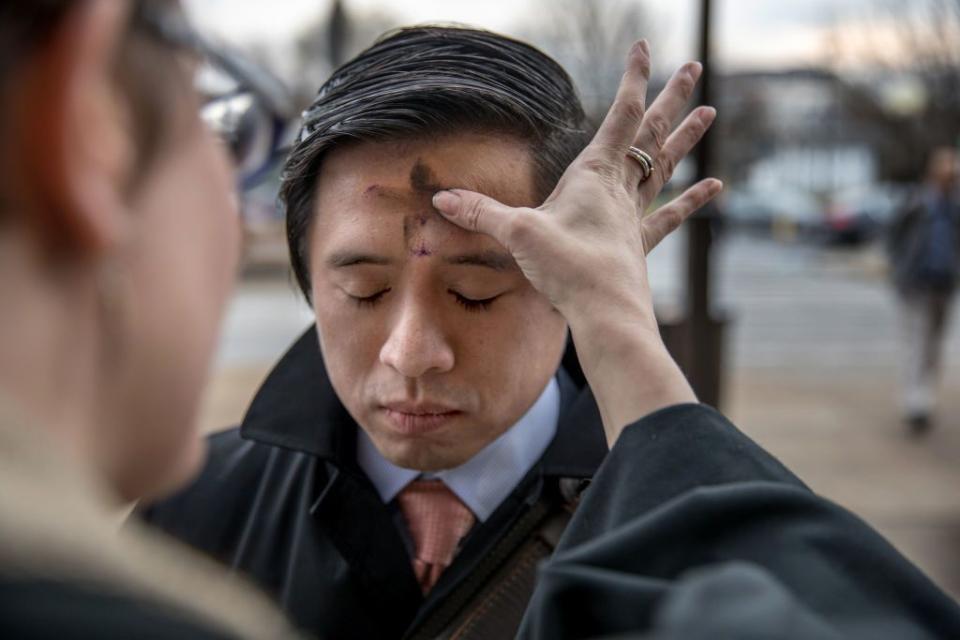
x,y
690,530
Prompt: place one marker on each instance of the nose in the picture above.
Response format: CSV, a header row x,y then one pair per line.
x,y
416,344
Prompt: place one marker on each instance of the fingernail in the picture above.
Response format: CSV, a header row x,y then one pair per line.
x,y
708,115
716,186
695,69
446,201
641,45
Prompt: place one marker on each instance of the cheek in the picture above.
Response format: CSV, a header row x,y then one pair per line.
x,y
181,269
207,233
518,347
535,329
350,340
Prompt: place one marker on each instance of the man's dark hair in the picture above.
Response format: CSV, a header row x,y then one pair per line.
x,y
431,80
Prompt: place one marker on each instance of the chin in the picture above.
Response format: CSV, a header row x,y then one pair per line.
x,y
426,456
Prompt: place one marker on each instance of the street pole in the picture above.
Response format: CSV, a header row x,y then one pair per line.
x,y
337,34
697,340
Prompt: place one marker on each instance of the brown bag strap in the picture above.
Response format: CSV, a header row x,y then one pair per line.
x,y
490,602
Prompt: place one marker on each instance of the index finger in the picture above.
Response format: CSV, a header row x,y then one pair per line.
x,y
620,127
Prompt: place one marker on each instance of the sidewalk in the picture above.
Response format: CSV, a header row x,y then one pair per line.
x,y
843,437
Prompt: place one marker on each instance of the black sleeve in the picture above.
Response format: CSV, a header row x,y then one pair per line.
x,y
45,609
691,530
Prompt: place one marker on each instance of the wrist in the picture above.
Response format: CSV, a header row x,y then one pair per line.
x,y
629,370
604,333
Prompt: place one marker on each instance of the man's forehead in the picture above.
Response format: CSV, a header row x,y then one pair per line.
x,y
421,183
500,166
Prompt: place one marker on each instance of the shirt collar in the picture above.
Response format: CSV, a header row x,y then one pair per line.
x,y
486,479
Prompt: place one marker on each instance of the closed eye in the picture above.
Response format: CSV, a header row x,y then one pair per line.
x,y
368,301
473,305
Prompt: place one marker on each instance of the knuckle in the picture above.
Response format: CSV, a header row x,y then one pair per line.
x,y
670,219
675,217
630,110
666,165
640,60
694,132
519,229
694,201
473,214
600,166
687,85
659,130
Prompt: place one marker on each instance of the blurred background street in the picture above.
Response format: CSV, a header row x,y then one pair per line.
x,y
827,112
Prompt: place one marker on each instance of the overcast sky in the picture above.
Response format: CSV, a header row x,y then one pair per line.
x,y
749,33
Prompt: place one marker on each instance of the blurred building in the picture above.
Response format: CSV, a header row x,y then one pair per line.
x,y
793,128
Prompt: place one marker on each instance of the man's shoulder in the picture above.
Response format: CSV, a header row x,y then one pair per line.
x,y
38,608
233,463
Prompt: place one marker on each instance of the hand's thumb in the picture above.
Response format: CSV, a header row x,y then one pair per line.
x,y
474,212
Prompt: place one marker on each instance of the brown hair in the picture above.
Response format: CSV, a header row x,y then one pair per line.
x,y
143,67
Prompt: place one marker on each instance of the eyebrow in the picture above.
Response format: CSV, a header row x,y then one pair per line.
x,y
351,258
490,259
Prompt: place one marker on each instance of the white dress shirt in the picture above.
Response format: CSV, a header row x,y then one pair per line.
x,y
486,479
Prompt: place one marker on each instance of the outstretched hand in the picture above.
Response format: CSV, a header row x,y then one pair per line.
x,y
585,247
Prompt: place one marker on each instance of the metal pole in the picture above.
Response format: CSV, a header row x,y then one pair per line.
x,y
704,333
337,34
698,263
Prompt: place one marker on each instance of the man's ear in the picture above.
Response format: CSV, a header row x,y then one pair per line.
x,y
71,136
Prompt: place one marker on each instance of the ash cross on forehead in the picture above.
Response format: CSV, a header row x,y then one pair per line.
x,y
423,184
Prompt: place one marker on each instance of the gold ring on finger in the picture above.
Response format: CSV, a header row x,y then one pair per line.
x,y
644,160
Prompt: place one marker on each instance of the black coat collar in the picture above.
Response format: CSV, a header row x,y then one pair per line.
x,y
296,408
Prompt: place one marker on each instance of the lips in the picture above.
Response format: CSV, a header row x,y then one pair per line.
x,y
418,418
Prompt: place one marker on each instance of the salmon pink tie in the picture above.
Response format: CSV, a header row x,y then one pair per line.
x,y
437,520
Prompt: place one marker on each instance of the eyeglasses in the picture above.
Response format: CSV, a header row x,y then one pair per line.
x,y
245,105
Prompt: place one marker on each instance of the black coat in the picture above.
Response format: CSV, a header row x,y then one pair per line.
x,y
691,531
283,500
48,609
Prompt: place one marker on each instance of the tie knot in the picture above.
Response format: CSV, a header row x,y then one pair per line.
x,y
436,518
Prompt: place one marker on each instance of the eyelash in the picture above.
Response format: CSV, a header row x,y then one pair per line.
x,y
473,305
466,303
369,301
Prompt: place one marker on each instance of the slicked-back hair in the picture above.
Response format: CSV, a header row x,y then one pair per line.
x,y
426,81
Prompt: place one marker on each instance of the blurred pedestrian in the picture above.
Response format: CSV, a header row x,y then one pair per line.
x,y
924,250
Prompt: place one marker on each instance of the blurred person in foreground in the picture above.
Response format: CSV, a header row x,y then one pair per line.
x,y
431,405
924,251
118,246
117,237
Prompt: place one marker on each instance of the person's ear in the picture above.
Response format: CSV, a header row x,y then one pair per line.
x,y
72,138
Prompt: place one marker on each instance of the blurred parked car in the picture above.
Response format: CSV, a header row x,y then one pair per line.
x,y
786,213
856,216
